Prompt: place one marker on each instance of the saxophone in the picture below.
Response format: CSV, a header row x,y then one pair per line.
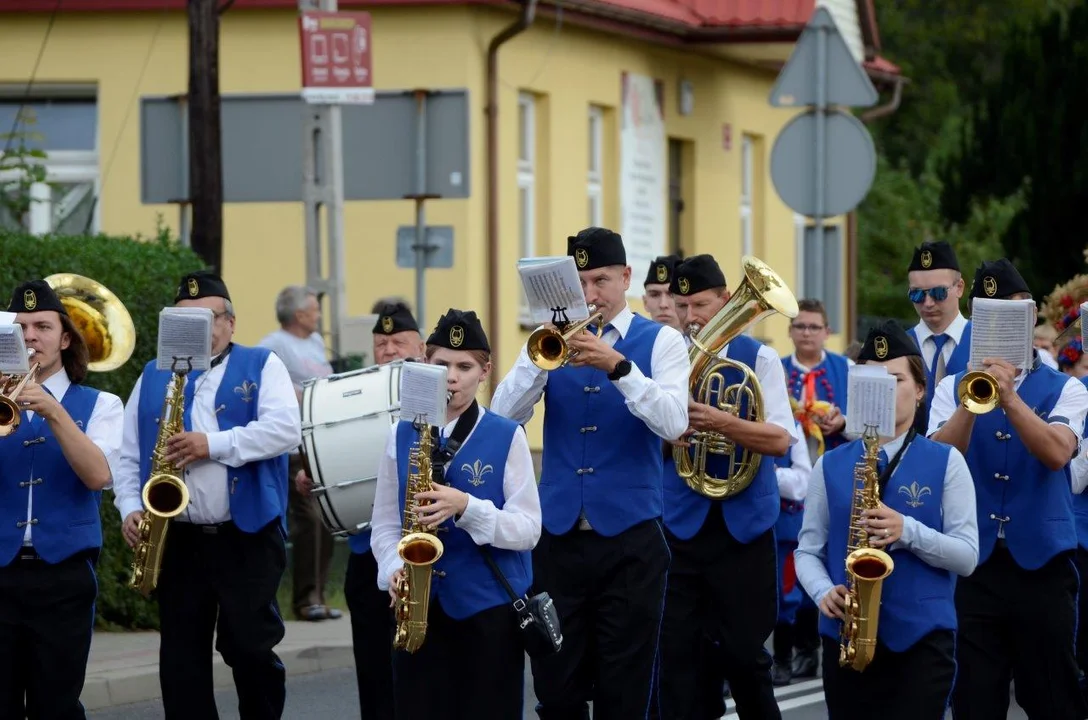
x,y
420,549
164,495
866,567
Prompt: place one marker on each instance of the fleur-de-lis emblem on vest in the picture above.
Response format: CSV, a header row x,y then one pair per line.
x,y
915,493
476,472
246,390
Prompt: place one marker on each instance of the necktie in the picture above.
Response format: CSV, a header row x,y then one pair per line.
x,y
882,462
938,363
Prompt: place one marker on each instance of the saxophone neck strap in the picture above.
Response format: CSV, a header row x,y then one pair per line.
x,y
442,454
894,463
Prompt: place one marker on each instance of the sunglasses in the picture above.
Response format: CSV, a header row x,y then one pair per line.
x,y
918,295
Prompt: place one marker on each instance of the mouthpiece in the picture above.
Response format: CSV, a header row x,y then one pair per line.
x,y
592,308
30,352
449,396
694,328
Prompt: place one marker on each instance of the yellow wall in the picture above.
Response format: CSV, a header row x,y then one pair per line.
x,y
440,48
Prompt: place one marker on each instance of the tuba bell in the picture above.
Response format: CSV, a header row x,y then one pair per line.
x,y
99,316
978,392
760,294
549,349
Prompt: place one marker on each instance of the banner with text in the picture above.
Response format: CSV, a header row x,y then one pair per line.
x,y
643,174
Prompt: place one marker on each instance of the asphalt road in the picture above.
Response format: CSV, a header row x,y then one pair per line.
x,y
332,694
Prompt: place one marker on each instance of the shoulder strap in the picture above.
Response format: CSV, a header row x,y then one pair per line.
x,y
499,576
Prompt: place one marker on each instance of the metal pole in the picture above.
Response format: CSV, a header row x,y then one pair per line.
x,y
821,150
334,209
421,247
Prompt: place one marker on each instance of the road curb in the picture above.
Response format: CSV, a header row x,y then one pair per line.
x,y
141,683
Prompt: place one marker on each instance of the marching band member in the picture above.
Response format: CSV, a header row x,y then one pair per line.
x,y
656,296
602,556
816,381
222,565
928,528
473,658
943,335
792,472
54,466
1017,611
714,542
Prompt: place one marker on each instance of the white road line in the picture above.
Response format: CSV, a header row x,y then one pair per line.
x,y
800,695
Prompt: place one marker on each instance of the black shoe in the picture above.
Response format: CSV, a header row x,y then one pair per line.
x,y
805,664
781,674
314,613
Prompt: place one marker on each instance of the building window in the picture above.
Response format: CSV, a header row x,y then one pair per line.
x,y
65,130
746,192
823,276
595,179
526,187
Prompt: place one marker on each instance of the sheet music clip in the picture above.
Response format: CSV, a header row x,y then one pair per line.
x,y
188,362
559,318
420,423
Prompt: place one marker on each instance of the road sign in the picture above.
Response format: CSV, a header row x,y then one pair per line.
x,y
821,56
336,57
848,166
438,251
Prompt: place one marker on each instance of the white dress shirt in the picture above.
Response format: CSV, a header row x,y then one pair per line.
x,y
955,549
793,481
515,527
954,331
660,401
103,428
277,430
1078,469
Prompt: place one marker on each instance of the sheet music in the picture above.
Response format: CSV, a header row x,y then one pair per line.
x,y
1002,329
423,392
13,355
553,282
185,333
7,318
870,400
1083,325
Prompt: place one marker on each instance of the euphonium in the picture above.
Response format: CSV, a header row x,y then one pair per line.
x,y
10,388
548,347
978,392
419,549
760,294
165,494
866,567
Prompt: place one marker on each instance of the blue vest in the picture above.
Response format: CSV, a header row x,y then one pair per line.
x,y
598,457
65,514
747,515
791,513
830,386
1010,483
957,361
258,490
469,586
1080,501
917,598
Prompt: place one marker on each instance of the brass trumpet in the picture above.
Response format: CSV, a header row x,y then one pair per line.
x,y
978,392
10,388
549,348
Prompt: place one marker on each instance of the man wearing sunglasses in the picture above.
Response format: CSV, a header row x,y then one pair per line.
x,y
944,335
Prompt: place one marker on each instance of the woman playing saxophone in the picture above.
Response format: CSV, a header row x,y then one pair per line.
x,y
483,495
923,517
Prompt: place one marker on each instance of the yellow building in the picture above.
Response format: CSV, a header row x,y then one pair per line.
x,y
561,155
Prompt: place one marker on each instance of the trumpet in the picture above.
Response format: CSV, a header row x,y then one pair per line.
x,y
10,388
549,348
978,392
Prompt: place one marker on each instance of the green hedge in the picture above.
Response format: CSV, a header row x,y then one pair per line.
x,y
143,273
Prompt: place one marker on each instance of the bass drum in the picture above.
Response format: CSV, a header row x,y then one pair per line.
x,y
345,425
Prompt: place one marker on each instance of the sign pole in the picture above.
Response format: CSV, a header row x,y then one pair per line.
x,y
821,147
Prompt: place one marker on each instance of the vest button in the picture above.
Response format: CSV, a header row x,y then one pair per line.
x,y
999,435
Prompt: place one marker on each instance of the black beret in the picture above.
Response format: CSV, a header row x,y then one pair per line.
x,y
695,274
888,341
459,330
934,256
35,296
201,284
661,270
595,248
394,318
997,279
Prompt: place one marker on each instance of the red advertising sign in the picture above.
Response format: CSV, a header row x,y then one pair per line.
x,y
336,57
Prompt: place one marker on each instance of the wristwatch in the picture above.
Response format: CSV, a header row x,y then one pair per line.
x,y
623,367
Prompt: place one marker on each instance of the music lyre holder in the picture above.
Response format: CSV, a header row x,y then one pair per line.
x,y
188,362
559,318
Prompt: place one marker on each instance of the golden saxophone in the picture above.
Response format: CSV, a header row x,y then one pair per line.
x,y
164,495
866,567
419,548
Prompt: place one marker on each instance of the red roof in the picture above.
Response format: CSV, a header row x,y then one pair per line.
x,y
752,13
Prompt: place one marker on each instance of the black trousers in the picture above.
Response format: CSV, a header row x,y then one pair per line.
x,y
915,684
218,579
46,620
371,637
470,669
1017,624
727,591
609,593
311,545
1082,619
